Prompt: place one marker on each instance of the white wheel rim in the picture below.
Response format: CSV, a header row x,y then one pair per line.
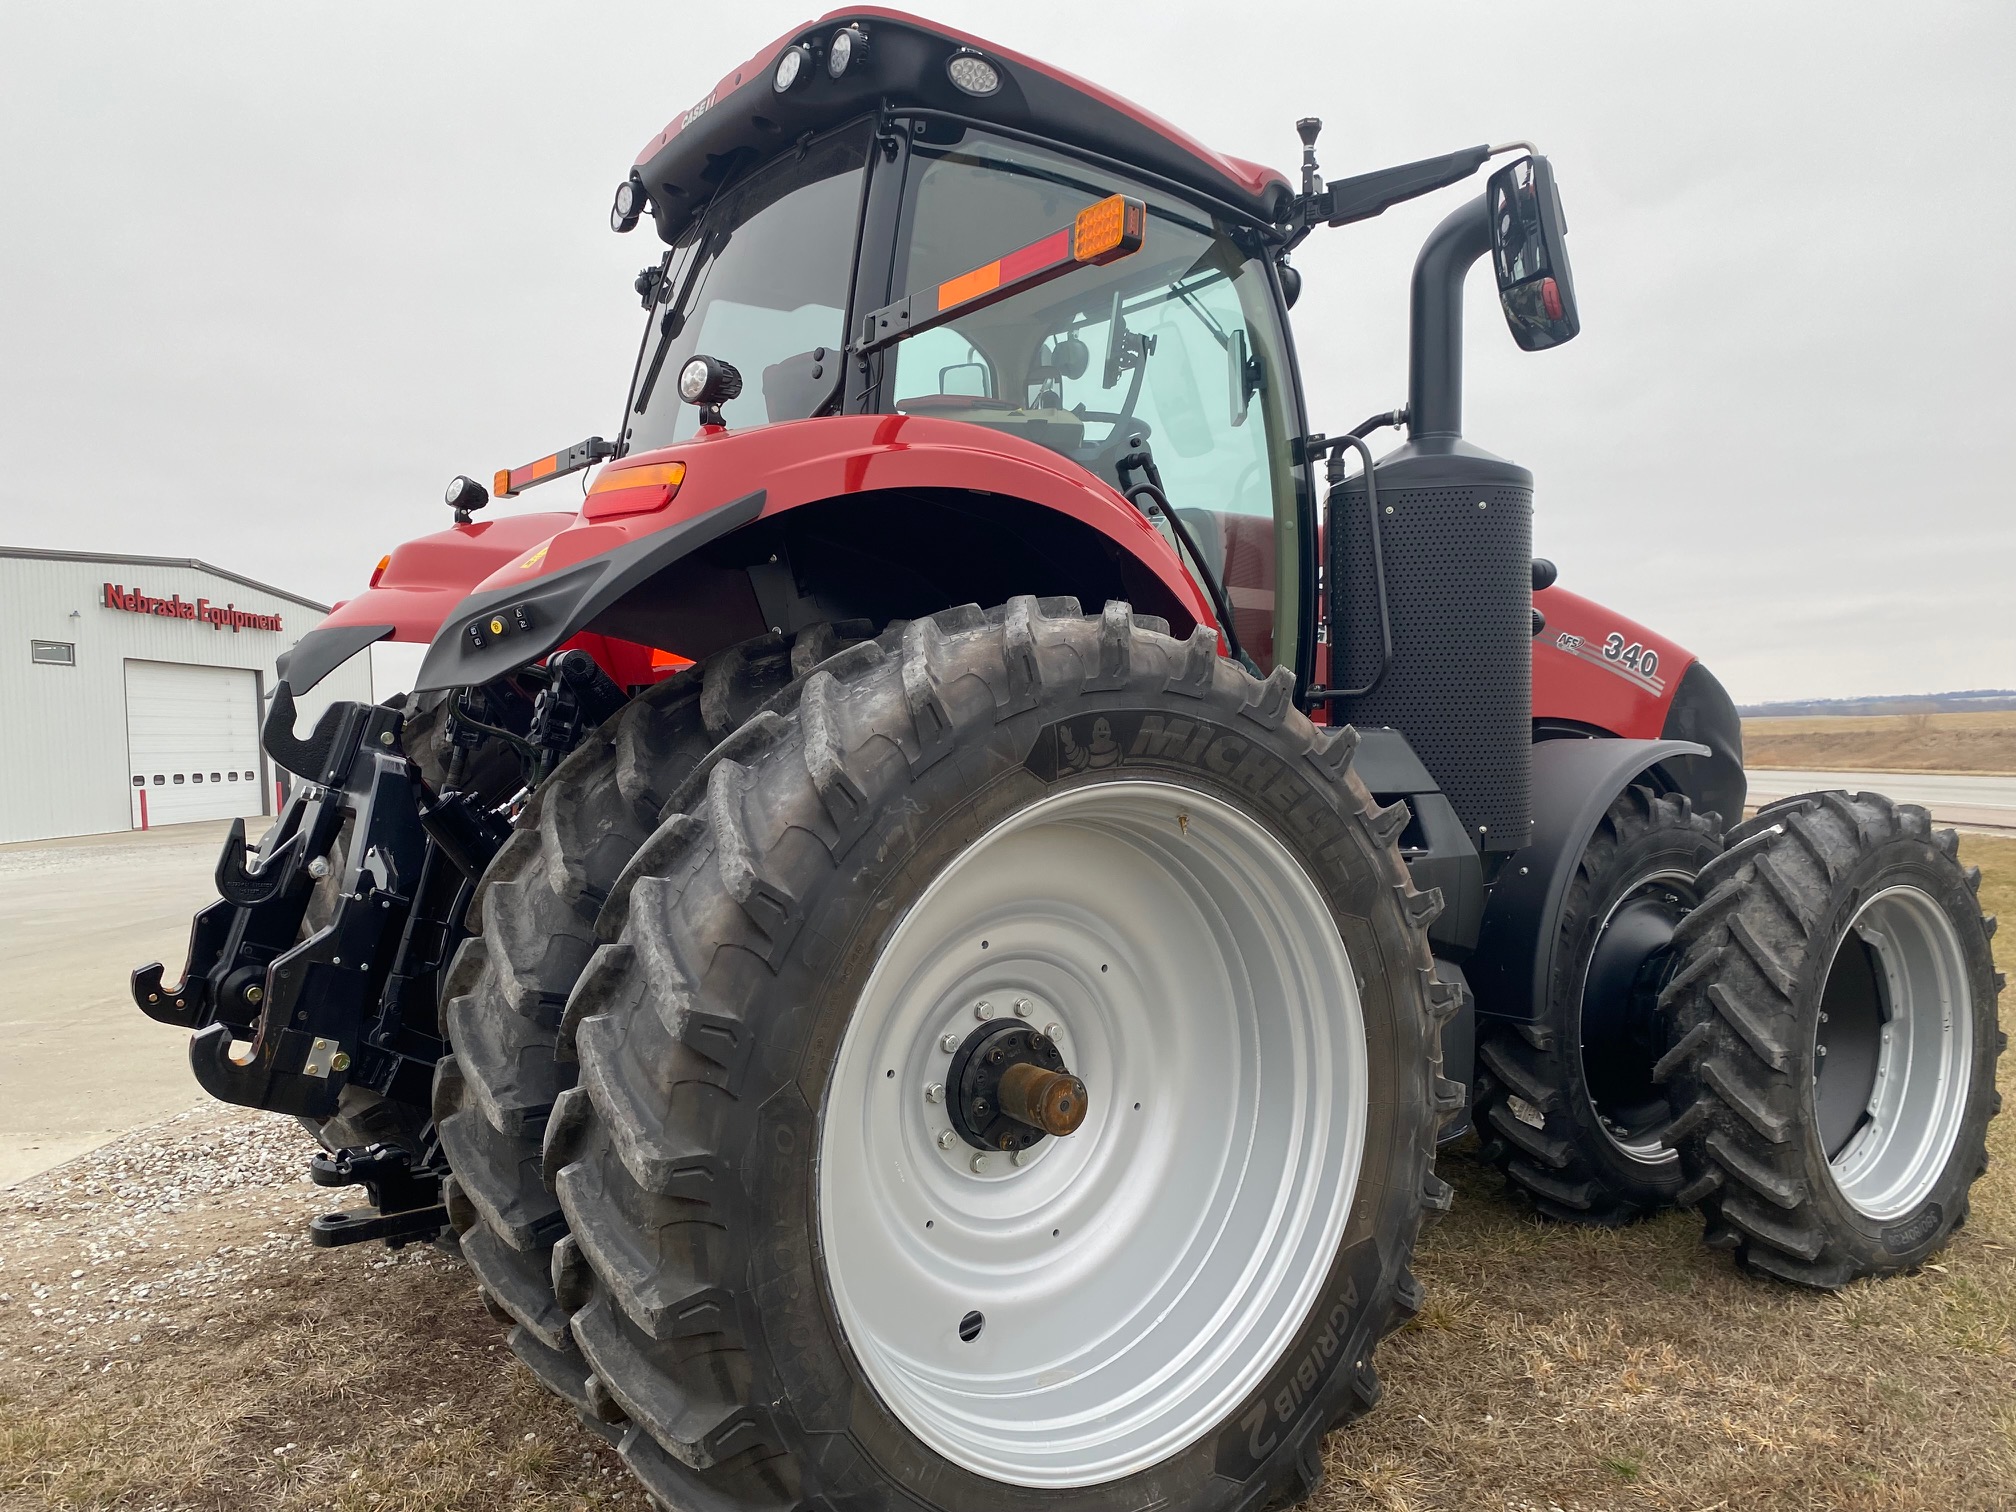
x,y
1137,1278
1924,1060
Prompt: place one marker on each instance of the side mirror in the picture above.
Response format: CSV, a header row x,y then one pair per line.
x,y
1529,253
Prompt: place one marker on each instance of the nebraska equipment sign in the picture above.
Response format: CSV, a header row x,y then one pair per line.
x,y
216,616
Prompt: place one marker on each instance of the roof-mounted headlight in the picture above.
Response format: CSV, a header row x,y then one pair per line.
x,y
791,67
631,202
848,49
973,74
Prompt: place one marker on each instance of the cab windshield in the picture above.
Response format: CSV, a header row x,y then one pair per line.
x,y
1178,343
758,279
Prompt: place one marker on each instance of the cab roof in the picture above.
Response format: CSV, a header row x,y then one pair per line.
x,y
743,119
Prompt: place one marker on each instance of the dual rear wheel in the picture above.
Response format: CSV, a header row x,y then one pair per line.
x,y
1797,1033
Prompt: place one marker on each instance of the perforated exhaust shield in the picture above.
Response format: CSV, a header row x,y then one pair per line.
x,y
1456,529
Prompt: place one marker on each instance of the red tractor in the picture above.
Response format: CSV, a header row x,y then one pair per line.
x,y
923,941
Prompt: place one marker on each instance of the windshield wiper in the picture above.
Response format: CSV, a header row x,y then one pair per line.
x,y
1139,457
705,250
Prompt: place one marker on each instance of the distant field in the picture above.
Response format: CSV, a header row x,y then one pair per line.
x,y
1884,742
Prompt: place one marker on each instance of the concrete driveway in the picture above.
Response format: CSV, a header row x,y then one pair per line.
x,y
79,1063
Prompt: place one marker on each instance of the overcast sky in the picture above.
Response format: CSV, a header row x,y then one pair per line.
x,y
271,273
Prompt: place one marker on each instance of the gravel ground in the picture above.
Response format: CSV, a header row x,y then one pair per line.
x,y
170,1340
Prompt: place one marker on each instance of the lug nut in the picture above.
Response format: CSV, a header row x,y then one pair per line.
x,y
1023,1008
935,1092
945,1138
1023,1157
1055,1032
949,1043
983,1009
979,1164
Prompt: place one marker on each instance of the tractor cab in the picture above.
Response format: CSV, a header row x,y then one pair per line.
x,y
1177,350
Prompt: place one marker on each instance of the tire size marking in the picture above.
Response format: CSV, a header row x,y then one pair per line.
x,y
1631,660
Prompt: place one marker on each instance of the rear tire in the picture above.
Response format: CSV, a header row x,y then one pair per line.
x,y
721,1173
533,931
1566,1105
1834,923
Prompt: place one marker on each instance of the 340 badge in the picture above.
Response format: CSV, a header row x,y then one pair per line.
x,y
1632,660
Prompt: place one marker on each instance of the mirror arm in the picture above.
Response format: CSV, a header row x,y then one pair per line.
x,y
1369,194
1435,334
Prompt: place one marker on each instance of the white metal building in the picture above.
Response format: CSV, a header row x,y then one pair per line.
x,y
135,689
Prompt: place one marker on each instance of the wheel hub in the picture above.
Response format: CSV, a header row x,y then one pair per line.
x,y
1077,1308
1009,1088
1632,961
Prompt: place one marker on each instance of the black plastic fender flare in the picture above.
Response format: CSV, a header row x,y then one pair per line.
x,y
542,613
1574,782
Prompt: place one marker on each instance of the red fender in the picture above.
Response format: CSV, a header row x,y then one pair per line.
x,y
795,463
423,580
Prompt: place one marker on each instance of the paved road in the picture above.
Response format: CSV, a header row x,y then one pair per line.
x,y
79,1064
1981,802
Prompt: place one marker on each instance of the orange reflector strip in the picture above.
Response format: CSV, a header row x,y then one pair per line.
x,y
1101,232
651,475
668,661
545,466
1111,228
969,285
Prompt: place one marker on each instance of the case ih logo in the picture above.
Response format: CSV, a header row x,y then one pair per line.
x,y
216,616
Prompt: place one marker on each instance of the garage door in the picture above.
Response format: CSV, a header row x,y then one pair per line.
x,y
192,736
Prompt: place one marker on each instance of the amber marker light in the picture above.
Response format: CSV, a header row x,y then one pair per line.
x,y
633,490
379,571
1112,228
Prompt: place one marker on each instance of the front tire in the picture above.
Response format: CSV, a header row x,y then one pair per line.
x,y
783,1266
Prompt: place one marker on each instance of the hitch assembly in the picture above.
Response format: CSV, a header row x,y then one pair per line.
x,y
284,1022
405,1200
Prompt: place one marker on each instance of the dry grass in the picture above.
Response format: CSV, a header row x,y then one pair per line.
x,y
1555,1367
1884,743
190,1353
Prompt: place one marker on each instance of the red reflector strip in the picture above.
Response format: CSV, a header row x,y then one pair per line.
x,y
1034,258
1110,228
